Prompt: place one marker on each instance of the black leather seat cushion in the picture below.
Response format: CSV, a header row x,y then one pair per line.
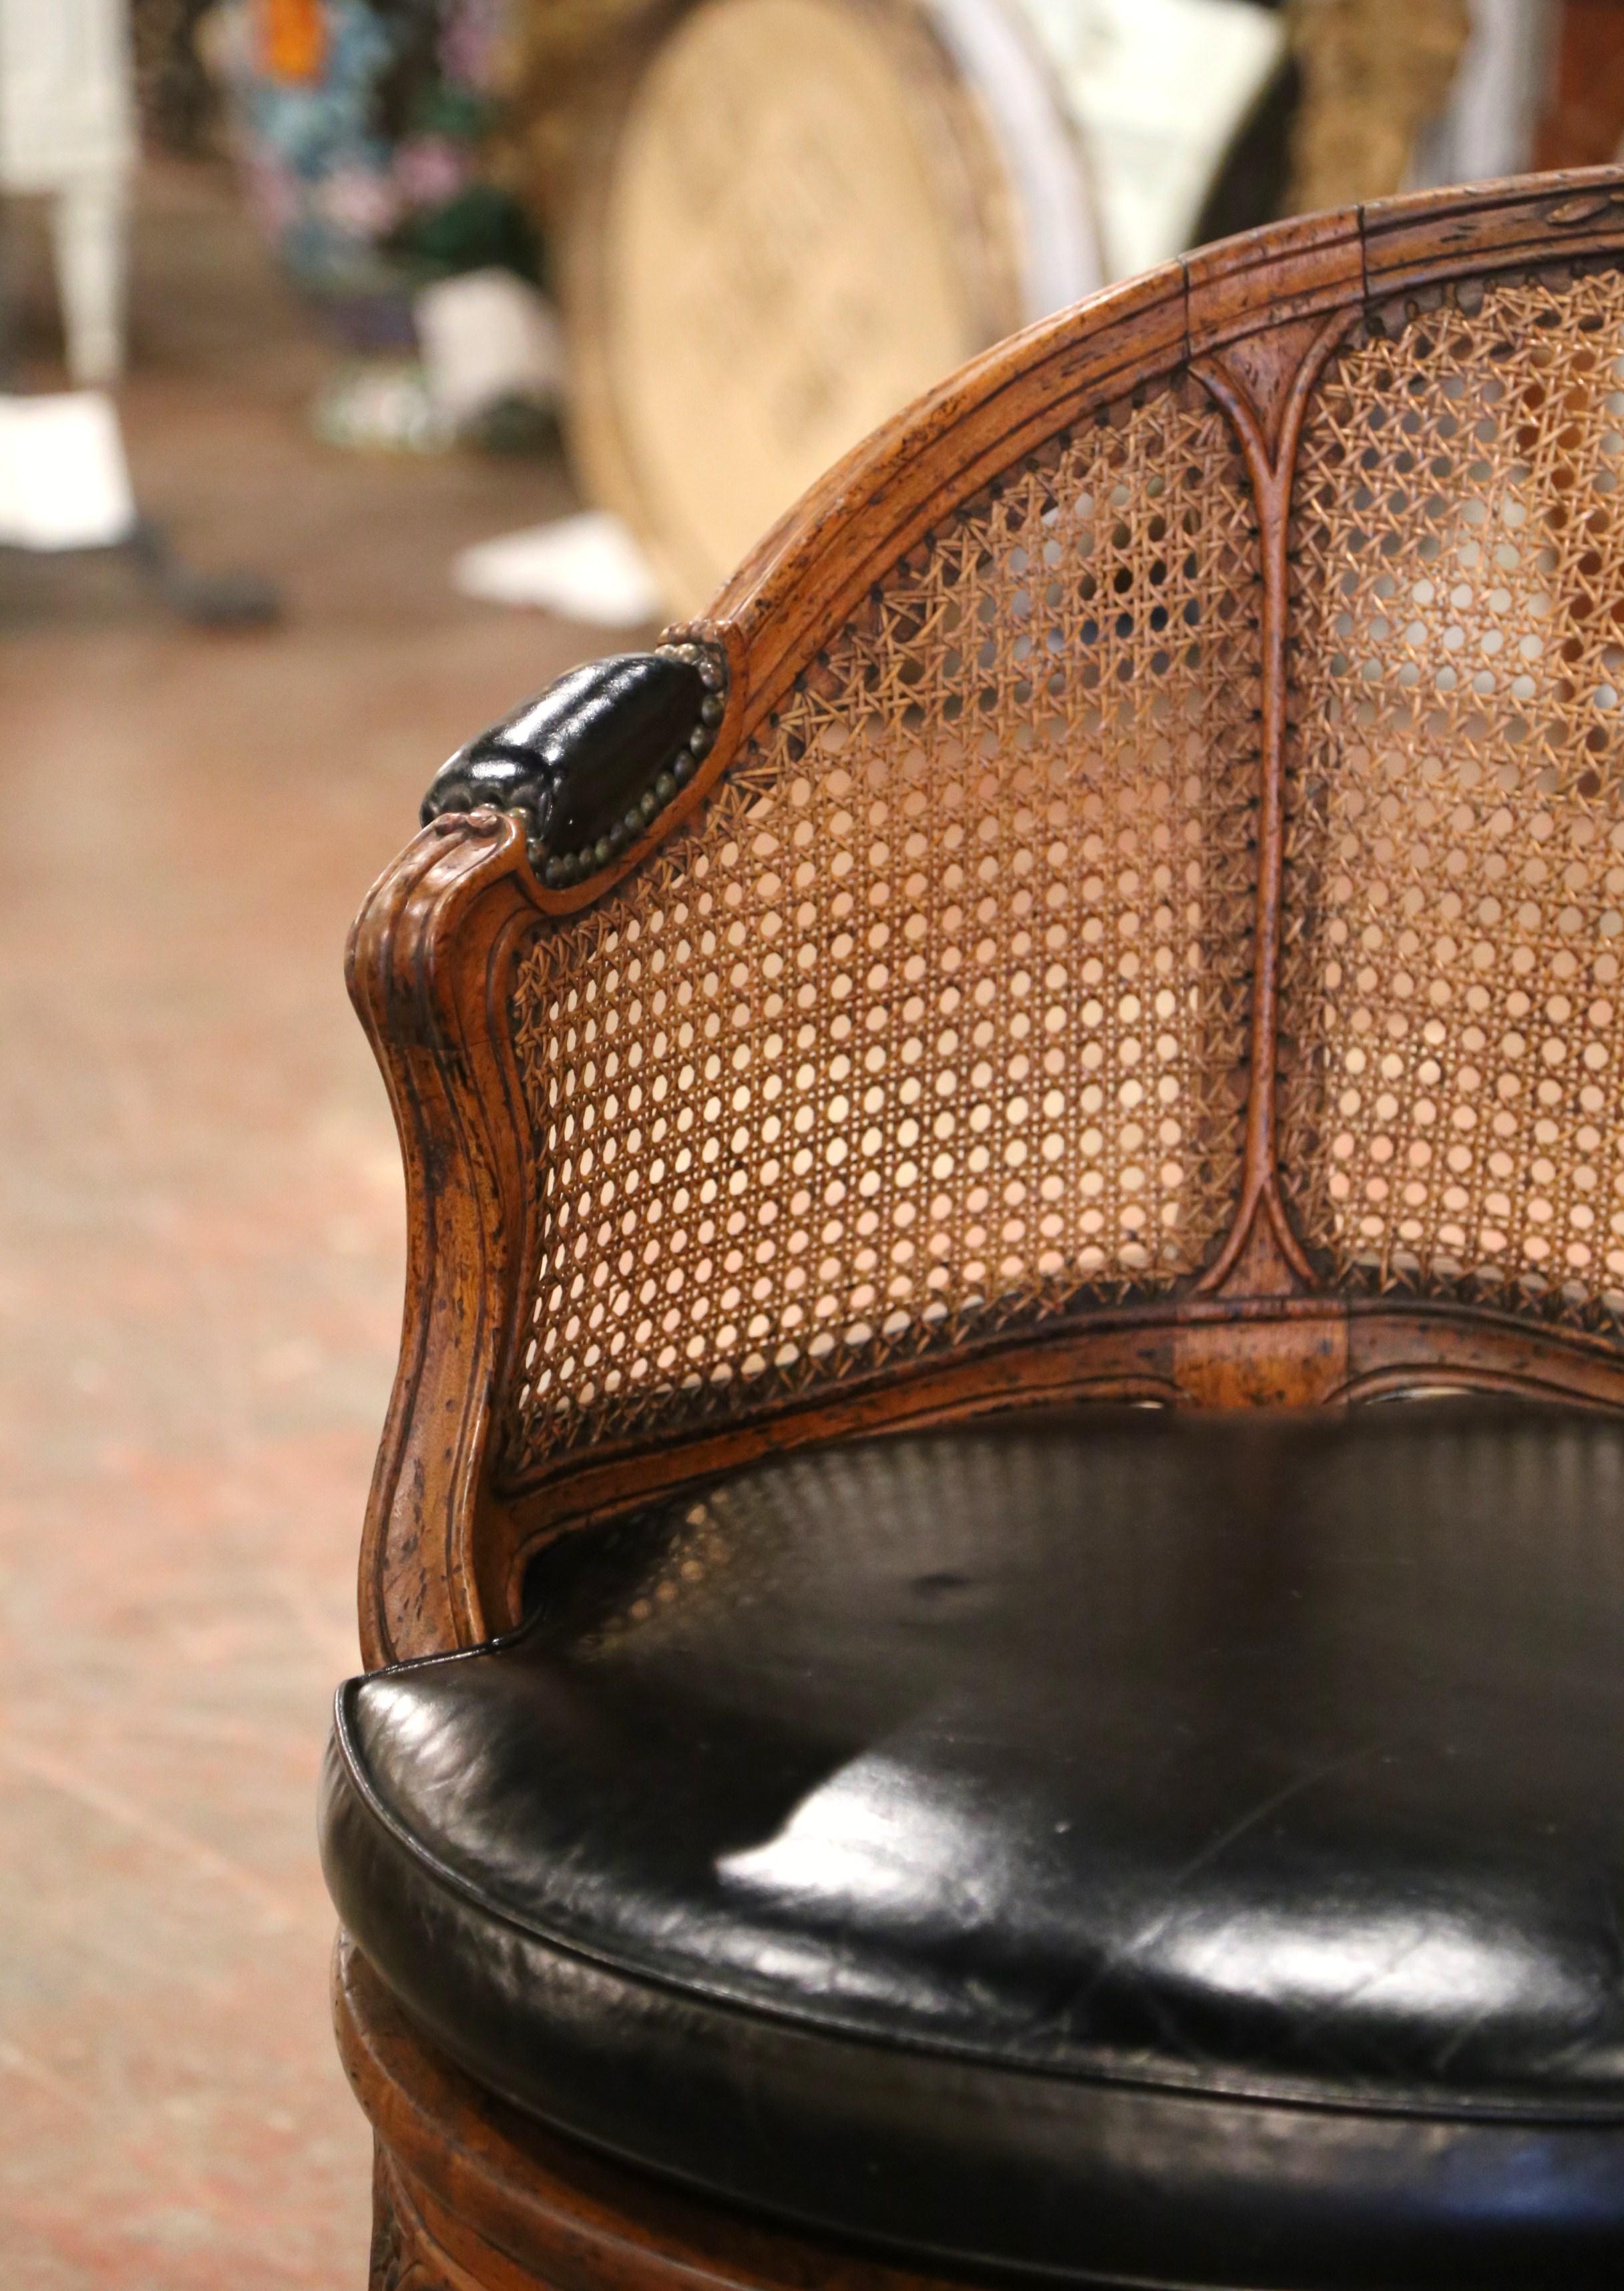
x,y
1140,1848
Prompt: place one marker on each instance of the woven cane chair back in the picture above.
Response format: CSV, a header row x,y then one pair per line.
x,y
1453,1121
934,1021
931,1022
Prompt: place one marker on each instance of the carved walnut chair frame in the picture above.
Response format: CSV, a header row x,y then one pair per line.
x,y
1322,1227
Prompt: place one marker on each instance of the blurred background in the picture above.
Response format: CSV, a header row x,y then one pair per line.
x,y
363,364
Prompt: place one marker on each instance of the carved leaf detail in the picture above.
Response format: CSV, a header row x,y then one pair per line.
x,y
1569,215
399,2261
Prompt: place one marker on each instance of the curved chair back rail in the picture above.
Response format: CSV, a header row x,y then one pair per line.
x,y
1138,912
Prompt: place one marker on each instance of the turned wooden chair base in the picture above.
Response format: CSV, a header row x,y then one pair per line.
x,y
469,2195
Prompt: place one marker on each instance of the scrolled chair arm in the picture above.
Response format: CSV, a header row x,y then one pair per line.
x,y
557,791
589,764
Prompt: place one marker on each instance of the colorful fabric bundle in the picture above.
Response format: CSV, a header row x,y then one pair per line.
x,y
360,124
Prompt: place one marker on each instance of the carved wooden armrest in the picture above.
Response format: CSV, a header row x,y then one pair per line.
x,y
428,961
558,791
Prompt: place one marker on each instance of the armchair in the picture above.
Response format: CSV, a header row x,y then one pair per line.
x,y
921,1722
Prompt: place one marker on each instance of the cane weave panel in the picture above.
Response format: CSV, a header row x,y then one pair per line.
x,y
932,1022
1450,1113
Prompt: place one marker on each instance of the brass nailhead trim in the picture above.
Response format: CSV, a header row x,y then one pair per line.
x,y
570,867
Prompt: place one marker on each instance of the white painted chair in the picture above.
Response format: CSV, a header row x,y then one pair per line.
x,y
68,134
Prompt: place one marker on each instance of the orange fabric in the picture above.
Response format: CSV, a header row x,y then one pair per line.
x,y
294,38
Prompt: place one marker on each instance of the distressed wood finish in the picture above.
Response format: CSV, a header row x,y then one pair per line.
x,y
471,2196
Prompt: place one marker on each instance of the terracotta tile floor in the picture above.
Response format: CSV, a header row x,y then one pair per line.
x,y
200,1265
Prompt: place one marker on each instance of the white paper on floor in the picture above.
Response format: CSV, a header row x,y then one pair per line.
x,y
485,335
588,568
64,483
